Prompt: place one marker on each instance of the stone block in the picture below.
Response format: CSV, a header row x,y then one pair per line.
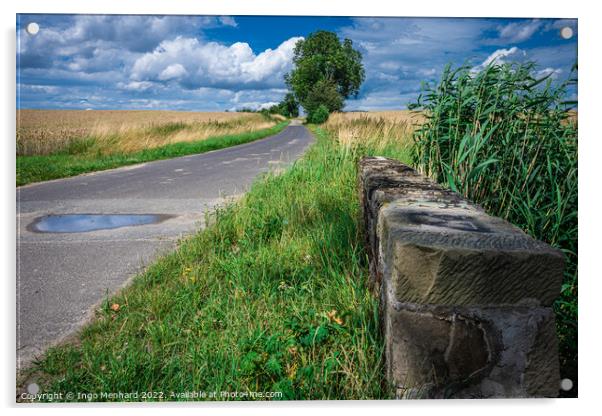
x,y
465,297
459,255
435,351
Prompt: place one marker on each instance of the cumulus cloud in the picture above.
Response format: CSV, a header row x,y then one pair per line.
x,y
161,62
173,71
500,56
210,64
94,42
169,62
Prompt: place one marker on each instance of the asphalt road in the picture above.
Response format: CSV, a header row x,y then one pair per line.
x,y
62,277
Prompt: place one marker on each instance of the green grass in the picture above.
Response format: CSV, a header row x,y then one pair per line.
x,y
271,297
72,162
503,137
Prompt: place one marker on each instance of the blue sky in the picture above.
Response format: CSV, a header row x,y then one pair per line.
x,y
214,63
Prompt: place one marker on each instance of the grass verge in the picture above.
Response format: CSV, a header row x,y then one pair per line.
x,y
42,168
270,298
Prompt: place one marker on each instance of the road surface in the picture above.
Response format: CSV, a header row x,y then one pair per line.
x,y
62,277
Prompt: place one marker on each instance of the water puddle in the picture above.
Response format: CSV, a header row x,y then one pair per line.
x,y
79,223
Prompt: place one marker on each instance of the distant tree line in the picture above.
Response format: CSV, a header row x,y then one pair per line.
x,y
288,107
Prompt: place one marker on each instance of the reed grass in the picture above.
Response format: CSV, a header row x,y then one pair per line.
x,y
507,140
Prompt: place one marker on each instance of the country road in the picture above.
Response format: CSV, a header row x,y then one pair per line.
x,y
61,277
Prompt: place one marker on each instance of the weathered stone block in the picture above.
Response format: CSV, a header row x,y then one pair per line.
x,y
447,250
382,181
465,297
458,255
437,351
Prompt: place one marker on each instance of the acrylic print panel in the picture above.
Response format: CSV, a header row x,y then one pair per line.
x,y
190,225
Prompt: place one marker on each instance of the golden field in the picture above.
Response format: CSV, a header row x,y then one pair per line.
x,y
43,132
376,129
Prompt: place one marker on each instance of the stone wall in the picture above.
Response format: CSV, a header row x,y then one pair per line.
x,y
465,298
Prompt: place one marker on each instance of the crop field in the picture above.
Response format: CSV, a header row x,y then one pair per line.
x,y
375,129
54,144
398,116
45,132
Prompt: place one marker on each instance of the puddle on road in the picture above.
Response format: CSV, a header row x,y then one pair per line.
x,y
78,223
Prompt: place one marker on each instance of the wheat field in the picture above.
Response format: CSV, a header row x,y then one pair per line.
x,y
375,129
44,132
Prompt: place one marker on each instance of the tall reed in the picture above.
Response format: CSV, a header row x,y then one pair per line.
x,y
507,139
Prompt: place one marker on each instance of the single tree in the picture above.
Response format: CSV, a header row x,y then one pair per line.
x,y
323,60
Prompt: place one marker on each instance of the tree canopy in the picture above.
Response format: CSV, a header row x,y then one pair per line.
x,y
325,68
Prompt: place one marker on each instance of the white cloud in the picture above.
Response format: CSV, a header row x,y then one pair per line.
x,y
502,56
228,21
256,99
551,72
173,71
135,85
210,64
92,43
517,32
254,105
